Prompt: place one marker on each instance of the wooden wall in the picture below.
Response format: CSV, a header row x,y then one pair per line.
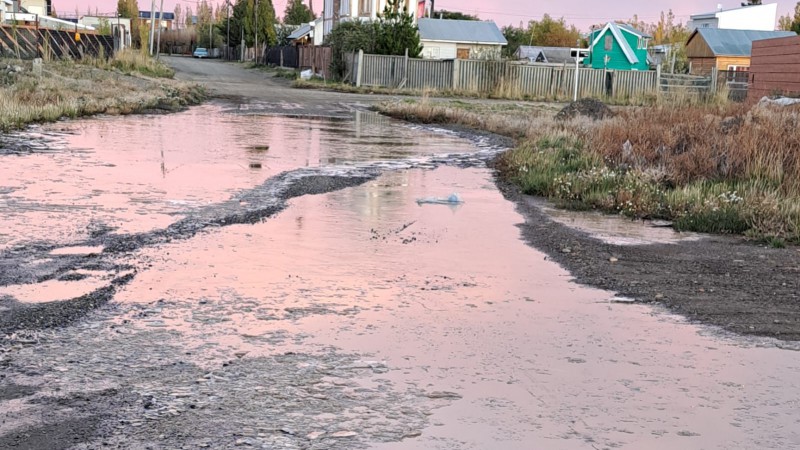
x,y
775,67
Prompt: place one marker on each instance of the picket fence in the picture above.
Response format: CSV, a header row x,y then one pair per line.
x,y
501,78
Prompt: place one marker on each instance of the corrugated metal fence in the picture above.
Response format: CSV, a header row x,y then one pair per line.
x,y
501,78
29,42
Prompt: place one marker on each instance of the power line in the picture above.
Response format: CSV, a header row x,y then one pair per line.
x,y
532,15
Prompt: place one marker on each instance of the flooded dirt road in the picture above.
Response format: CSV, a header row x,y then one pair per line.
x,y
314,303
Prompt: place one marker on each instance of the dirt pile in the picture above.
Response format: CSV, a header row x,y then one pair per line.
x,y
587,107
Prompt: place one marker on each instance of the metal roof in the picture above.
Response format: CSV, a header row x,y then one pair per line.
x,y
463,31
552,55
630,29
735,42
623,44
300,32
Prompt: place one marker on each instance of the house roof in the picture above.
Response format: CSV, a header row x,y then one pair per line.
x,y
713,14
162,16
300,32
553,55
617,32
632,30
463,31
734,42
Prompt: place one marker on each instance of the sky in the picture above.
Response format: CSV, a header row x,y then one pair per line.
x,y
581,13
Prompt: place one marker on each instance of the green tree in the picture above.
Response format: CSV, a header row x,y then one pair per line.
x,y
397,32
789,22
347,38
262,26
104,27
130,9
550,32
454,15
297,13
515,36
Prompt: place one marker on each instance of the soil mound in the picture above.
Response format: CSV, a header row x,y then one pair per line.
x,y
587,107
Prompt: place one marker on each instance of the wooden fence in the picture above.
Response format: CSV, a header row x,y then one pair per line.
x,y
284,56
317,58
501,78
27,42
775,67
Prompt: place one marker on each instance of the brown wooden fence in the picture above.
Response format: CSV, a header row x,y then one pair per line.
x,y
775,67
317,58
26,42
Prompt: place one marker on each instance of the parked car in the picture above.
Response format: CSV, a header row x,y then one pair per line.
x,y
200,52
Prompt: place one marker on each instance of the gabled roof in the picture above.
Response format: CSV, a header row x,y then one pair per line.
x,y
617,32
734,42
462,31
300,32
553,55
630,29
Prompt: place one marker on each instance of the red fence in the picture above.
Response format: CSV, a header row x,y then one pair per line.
x,y
775,67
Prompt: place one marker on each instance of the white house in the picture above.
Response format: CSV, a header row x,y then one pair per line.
x,y
335,11
120,28
460,39
755,17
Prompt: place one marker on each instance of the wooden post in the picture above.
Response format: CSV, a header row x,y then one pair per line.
x,y
360,68
714,79
456,74
658,78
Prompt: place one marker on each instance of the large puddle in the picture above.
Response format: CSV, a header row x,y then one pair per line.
x,y
138,173
452,302
470,338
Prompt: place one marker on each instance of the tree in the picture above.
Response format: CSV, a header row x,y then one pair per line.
x,y
130,10
178,16
189,17
297,13
550,32
349,37
515,36
263,26
454,15
397,32
791,23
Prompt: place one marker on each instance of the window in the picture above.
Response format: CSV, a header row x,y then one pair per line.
x,y
609,42
642,43
364,7
737,74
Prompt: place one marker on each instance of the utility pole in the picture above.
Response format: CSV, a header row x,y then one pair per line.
x,y
160,16
228,30
430,13
119,34
256,34
152,24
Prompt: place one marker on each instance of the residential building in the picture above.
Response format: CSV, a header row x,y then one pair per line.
x,y
460,39
775,67
335,11
307,34
120,28
709,48
39,7
165,19
618,46
544,55
754,17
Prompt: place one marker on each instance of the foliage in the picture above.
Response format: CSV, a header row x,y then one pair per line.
x,y
349,37
259,22
550,32
515,37
297,13
789,22
104,27
397,32
130,9
454,15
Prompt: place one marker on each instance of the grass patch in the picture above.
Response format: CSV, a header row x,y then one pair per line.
x,y
67,89
714,168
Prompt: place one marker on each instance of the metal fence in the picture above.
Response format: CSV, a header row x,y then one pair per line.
x,y
499,78
27,42
285,56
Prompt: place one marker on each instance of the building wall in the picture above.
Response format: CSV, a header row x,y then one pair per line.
x,y
618,60
775,67
703,23
449,50
762,17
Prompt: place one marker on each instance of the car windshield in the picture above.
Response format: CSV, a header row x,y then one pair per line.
x,y
200,50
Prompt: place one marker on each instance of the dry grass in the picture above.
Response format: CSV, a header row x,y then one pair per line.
x,y
713,167
69,89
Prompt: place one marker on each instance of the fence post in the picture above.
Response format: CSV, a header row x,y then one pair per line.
x,y
360,68
456,74
658,78
405,71
714,79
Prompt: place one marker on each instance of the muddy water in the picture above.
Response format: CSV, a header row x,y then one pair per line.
x,y
507,351
138,173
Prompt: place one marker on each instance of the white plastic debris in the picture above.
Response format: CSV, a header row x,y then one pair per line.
x,y
452,199
306,74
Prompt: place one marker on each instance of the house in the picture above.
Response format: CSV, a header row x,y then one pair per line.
x,y
163,19
120,28
754,17
39,7
307,34
710,48
335,11
775,67
544,55
460,39
617,46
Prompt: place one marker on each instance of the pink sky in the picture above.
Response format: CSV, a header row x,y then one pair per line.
x,y
582,13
